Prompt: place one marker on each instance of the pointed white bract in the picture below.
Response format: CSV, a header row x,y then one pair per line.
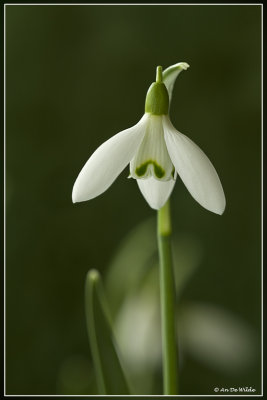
x,y
171,73
156,152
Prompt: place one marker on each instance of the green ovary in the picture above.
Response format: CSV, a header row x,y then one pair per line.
x,y
159,171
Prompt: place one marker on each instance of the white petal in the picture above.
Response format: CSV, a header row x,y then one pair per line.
x,y
156,192
107,162
170,74
195,169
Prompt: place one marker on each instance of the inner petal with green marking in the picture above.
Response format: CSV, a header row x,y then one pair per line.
x,y
152,158
158,170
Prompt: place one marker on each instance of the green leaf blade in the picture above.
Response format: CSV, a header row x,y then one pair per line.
x,y
109,372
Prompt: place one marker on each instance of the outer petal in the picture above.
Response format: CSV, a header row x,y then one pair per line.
x,y
107,162
195,169
156,192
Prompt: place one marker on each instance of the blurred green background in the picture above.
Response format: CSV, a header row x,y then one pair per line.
x,y
75,76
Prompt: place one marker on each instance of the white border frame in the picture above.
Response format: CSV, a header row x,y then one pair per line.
x,y
134,4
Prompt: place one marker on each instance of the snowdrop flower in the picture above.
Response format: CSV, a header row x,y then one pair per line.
x,y
156,152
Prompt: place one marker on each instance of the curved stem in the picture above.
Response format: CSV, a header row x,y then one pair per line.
x,y
167,299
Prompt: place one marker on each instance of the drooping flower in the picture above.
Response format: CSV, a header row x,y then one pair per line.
x,y
156,152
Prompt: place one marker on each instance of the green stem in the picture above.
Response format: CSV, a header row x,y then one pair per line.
x,y
167,299
159,74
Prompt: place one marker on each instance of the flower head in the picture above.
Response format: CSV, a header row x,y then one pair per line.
x,y
156,152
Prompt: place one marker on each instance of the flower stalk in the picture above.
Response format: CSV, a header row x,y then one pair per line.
x,y
168,301
159,74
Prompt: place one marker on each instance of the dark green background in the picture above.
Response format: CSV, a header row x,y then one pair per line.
x,y
75,76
